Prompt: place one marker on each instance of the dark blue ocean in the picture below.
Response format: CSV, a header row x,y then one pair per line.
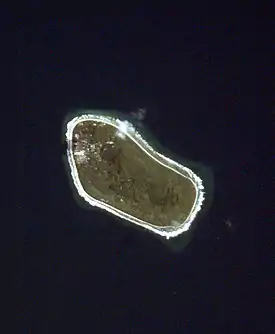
x,y
205,82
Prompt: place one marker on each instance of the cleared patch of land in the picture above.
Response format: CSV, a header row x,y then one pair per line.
x,y
118,172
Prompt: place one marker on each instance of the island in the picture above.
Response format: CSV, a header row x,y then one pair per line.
x,y
115,168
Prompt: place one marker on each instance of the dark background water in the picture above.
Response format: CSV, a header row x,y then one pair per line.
x,y
205,81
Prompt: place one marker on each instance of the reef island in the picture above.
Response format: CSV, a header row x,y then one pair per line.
x,y
113,167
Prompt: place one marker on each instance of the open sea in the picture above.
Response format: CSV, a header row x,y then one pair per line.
x,y
205,82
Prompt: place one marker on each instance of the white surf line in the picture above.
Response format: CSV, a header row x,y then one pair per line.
x,y
126,129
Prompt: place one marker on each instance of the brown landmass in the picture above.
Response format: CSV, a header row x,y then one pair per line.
x,y
118,172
